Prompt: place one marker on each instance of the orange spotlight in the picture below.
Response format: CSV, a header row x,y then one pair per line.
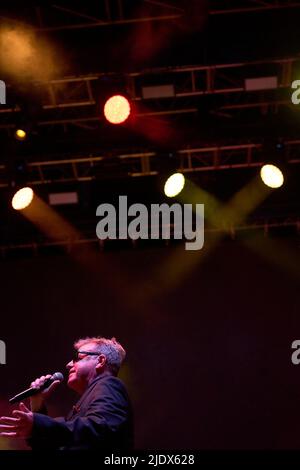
x,y
117,109
22,198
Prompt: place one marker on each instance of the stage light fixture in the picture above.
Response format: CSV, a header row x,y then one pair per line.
x,y
272,176
22,198
170,180
274,171
174,185
117,109
20,134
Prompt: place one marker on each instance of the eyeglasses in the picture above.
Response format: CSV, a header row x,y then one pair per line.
x,y
76,357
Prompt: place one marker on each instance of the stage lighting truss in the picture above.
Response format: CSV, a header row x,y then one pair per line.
x,y
115,13
215,158
187,83
263,226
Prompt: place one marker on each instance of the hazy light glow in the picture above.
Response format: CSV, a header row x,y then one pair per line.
x,y
22,198
23,53
174,184
20,134
117,109
272,176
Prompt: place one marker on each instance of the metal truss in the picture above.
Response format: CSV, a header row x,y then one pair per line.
x,y
108,13
58,17
101,13
264,226
245,6
148,163
74,100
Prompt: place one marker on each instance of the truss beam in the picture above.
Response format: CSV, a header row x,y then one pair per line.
x,y
263,226
147,163
148,11
81,94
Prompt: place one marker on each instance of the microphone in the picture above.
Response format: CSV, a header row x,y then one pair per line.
x,y
33,391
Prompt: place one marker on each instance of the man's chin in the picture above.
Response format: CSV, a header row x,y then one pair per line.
x,y
72,381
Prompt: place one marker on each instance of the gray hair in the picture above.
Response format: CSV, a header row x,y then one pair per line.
x,y
110,348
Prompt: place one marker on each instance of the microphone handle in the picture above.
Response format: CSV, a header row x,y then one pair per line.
x,y
30,392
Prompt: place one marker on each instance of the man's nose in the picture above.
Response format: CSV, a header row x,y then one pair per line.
x,y
69,365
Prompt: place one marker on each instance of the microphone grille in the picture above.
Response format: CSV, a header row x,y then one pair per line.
x,y
58,376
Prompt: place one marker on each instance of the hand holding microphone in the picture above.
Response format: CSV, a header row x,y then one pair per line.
x,y
40,390
45,386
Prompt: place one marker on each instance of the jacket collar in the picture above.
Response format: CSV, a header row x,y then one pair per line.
x,y
96,379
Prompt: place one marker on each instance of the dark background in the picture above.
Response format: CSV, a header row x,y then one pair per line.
x,y
209,358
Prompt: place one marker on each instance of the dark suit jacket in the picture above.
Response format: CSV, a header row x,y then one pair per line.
x,y
101,420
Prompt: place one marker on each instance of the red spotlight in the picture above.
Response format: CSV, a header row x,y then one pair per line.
x,y
117,109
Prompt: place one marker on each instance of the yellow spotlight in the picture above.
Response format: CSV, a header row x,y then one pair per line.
x,y
22,198
174,184
20,134
272,176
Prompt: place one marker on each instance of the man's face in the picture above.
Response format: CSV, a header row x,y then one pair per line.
x,y
82,371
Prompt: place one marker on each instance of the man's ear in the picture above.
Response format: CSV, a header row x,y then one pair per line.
x,y
101,362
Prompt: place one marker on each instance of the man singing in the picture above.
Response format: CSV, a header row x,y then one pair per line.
x,y
101,419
